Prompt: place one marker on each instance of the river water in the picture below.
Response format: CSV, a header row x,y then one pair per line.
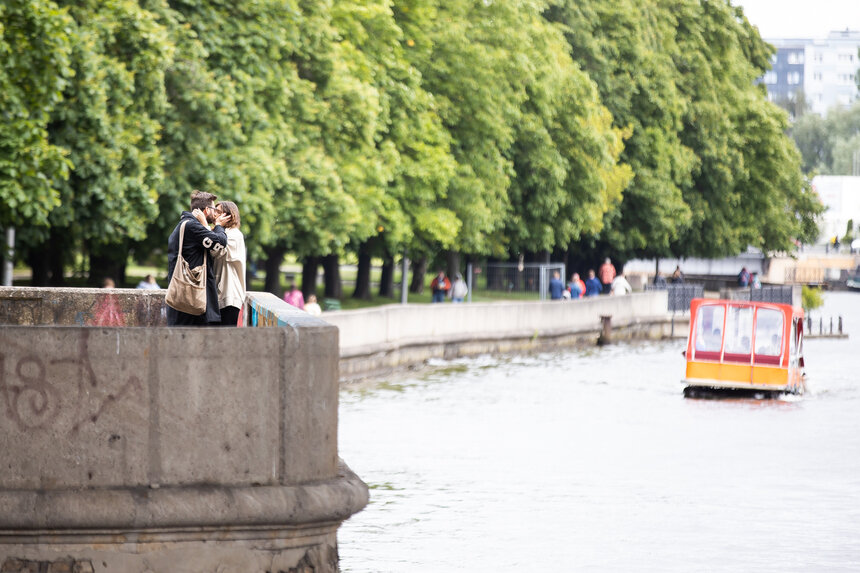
x,y
591,460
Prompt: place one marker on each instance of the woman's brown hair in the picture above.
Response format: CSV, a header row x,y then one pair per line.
x,y
231,209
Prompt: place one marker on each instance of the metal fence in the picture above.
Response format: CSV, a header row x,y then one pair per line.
x,y
516,277
680,295
778,294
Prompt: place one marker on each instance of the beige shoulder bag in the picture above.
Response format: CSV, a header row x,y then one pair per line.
x,y
187,289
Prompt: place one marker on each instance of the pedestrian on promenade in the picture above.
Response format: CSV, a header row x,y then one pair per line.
x,y
148,283
459,289
755,282
606,274
230,267
620,286
294,297
312,307
198,241
556,286
440,285
592,284
677,276
576,287
743,277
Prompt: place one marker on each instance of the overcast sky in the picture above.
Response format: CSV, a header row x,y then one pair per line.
x,y
801,18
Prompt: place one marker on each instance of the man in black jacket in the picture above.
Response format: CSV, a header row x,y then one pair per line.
x,y
198,239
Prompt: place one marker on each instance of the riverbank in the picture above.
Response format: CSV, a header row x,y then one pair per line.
x,y
378,341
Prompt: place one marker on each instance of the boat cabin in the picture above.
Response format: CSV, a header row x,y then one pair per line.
x,y
741,345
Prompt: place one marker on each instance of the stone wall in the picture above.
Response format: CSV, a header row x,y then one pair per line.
x,y
378,340
168,449
30,306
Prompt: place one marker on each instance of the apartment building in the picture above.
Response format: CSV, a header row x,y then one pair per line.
x,y
824,70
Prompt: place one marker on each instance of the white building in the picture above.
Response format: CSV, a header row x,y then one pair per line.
x,y
831,68
825,70
841,197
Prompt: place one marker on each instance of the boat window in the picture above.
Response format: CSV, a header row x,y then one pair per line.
x,y
709,327
739,327
794,337
768,332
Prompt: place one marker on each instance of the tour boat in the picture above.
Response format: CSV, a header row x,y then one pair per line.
x,y
749,348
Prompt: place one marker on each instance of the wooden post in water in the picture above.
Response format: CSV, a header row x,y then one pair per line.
x,y
606,334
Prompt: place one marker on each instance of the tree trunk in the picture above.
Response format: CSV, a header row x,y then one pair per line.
x,y
419,269
106,262
274,258
386,281
453,258
58,247
333,286
310,266
362,277
39,260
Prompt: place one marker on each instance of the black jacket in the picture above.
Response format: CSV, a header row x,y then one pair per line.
x,y
198,239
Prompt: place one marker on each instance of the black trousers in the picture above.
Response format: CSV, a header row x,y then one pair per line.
x,y
176,318
229,316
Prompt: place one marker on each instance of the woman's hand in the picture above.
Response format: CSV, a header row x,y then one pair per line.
x,y
223,219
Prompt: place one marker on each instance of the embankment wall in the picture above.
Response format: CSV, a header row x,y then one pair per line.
x,y
168,449
378,340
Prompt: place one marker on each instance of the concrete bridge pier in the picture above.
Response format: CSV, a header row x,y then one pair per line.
x,y
148,449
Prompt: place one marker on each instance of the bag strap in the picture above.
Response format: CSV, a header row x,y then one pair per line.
x,y
182,237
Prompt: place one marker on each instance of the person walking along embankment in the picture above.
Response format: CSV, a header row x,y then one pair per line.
x,y
440,285
230,267
592,284
607,275
459,289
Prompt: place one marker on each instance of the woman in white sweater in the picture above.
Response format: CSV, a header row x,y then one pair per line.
x,y
230,267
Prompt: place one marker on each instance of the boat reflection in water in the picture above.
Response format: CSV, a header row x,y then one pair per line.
x,y
740,348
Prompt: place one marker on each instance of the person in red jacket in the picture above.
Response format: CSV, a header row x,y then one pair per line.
x,y
606,275
440,287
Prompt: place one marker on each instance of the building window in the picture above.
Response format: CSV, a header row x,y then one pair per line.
x,y
793,78
818,76
770,77
795,57
846,57
819,57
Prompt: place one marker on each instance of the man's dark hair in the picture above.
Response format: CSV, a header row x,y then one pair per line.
x,y
201,199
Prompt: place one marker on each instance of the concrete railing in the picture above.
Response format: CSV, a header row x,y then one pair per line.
x,y
168,449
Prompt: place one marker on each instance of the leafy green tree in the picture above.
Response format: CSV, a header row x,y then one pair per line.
x,y
411,144
627,49
747,188
118,53
829,144
299,111
35,68
812,139
566,151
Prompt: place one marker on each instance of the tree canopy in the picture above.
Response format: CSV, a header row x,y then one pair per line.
x,y
399,126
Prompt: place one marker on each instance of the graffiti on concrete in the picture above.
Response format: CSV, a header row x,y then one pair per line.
x,y
35,390
106,310
262,316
